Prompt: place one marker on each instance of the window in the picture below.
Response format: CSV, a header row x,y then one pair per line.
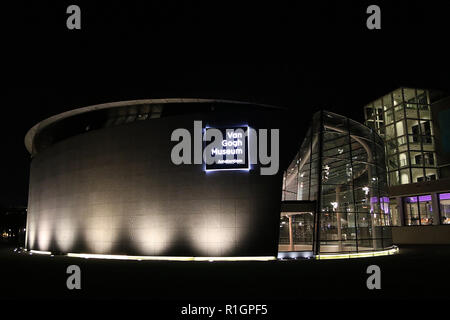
x,y
409,95
444,203
393,207
411,211
416,174
424,112
380,114
390,132
425,210
418,159
418,210
426,127
394,178
429,158
397,96
400,128
393,162
431,174
389,116
387,102
422,97
415,133
403,159
404,176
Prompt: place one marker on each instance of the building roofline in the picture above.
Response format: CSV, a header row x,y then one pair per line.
x,y
400,87
31,134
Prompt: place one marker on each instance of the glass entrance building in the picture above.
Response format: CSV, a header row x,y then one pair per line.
x,y
338,183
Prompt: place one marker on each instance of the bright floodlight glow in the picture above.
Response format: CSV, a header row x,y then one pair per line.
x,y
169,258
65,231
99,229
31,236
218,236
152,233
45,233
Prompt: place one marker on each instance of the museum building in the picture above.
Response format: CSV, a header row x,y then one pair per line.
x,y
103,183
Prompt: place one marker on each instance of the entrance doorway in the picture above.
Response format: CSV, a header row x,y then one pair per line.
x,y
296,226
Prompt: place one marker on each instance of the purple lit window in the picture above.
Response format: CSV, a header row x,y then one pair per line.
x,y
411,199
382,199
425,198
444,196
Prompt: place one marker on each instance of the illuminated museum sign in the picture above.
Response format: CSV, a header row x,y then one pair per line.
x,y
227,150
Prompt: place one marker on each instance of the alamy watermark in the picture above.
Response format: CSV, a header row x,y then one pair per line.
x,y
74,280
374,280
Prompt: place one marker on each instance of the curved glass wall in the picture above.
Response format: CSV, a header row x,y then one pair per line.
x,y
341,166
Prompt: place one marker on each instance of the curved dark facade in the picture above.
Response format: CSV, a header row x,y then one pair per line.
x,y
102,181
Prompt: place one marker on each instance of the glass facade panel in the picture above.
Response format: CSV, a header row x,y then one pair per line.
x,y
429,159
397,96
296,231
411,211
416,158
409,95
387,102
444,204
395,215
424,112
425,210
417,174
411,111
422,97
353,210
403,159
418,210
394,178
431,174
390,132
400,128
427,143
404,176
389,117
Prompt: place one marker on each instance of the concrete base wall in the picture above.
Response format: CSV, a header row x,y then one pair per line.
x,y
421,235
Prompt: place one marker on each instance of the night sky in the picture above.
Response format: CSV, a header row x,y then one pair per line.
x,y
301,56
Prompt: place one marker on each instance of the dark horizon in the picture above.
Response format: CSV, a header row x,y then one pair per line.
x,y
304,57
